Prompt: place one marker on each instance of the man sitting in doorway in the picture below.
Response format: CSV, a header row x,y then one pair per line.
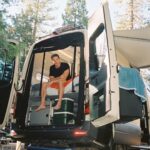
x,y
59,74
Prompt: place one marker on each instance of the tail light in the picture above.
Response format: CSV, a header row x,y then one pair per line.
x,y
87,109
79,133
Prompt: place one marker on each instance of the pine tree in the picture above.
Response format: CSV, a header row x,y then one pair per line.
x,y
131,14
2,23
33,21
6,48
22,29
75,13
146,8
40,11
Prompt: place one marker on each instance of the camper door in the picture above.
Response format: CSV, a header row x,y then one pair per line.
x,y
103,87
8,78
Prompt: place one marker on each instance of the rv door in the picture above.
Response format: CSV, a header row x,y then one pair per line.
x,y
8,77
103,85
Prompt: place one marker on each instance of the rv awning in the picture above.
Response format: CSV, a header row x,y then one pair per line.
x,y
133,47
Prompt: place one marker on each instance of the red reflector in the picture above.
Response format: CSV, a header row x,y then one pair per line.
x,y
79,133
87,109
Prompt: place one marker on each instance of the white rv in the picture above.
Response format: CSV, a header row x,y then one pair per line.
x,y
104,106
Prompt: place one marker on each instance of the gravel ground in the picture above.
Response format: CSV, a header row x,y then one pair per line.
x,y
11,146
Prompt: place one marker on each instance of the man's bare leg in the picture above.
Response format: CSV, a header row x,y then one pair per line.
x,y
61,93
43,93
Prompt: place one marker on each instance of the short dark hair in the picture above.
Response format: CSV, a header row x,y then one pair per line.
x,y
55,55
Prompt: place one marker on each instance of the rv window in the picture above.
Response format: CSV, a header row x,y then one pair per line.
x,y
6,68
98,104
2,63
96,57
99,73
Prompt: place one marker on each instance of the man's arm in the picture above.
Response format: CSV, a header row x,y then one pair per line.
x,y
65,75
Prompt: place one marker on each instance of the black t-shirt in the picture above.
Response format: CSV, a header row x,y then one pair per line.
x,y
56,72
